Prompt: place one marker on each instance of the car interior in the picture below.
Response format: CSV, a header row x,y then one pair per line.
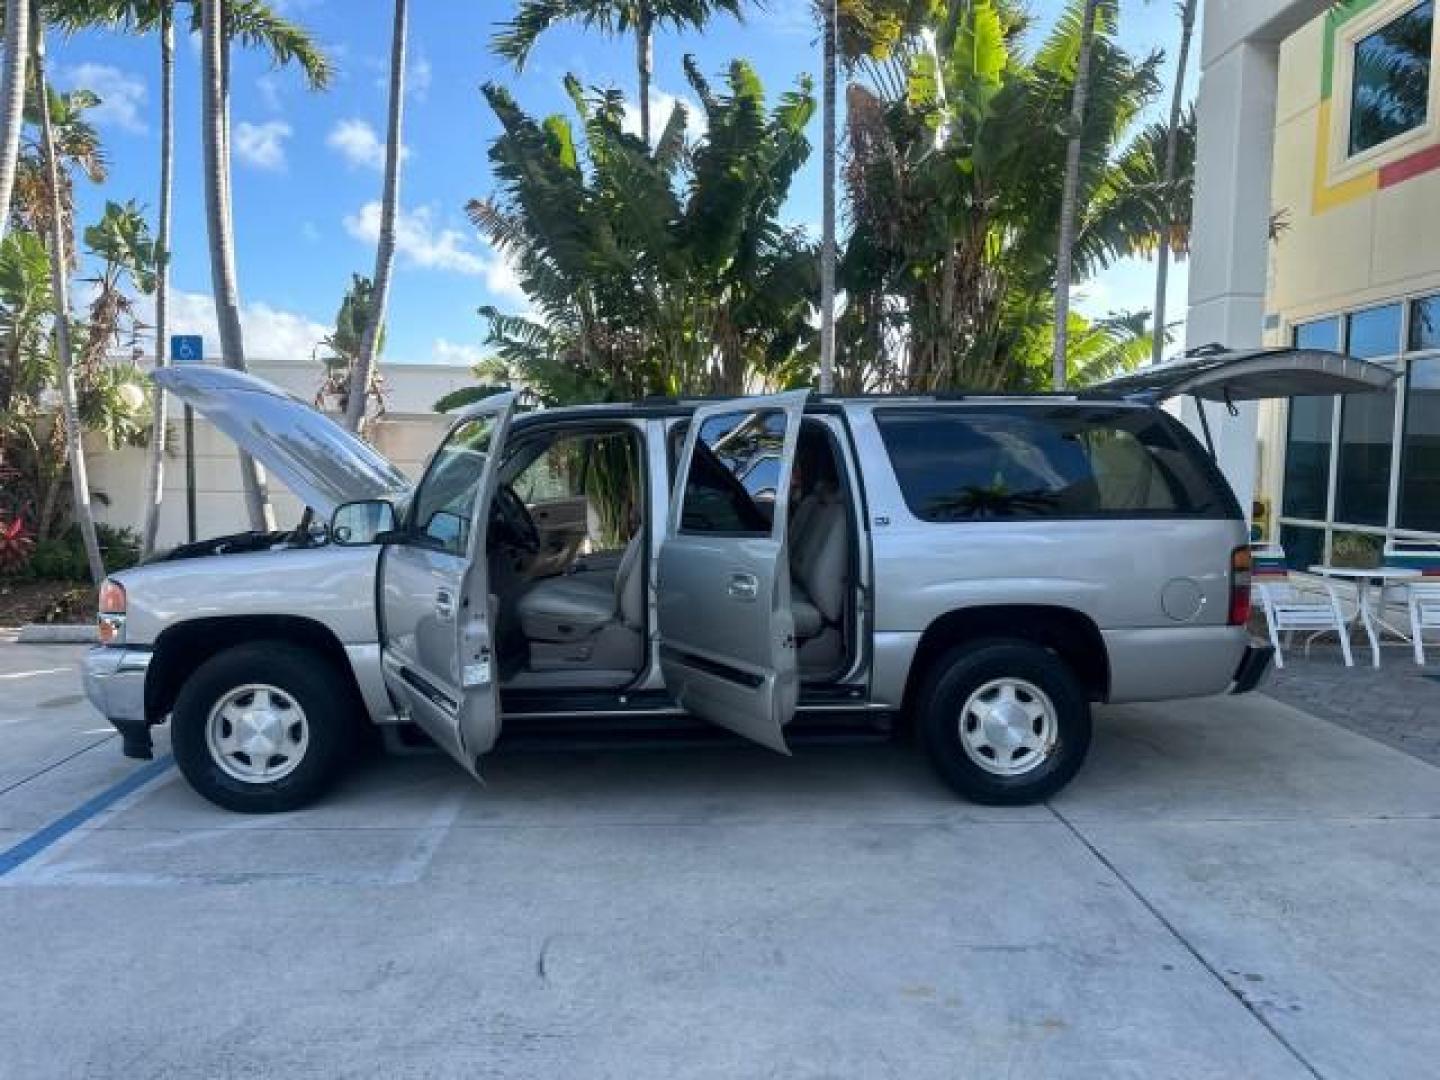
x,y
567,560
568,555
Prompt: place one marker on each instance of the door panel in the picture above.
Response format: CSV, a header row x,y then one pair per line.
x,y
727,634
438,620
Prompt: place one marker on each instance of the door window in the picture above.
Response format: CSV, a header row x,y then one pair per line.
x,y
445,504
730,448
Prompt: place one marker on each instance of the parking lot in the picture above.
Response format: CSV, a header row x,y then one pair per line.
x,y
1231,888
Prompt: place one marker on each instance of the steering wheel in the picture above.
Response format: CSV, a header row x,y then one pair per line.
x,y
513,520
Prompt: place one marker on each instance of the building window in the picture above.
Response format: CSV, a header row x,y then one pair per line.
x,y
1425,324
1420,456
1375,332
1320,334
1391,92
1367,437
1307,458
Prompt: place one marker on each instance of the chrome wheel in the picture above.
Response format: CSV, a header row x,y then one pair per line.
x,y
1009,727
257,734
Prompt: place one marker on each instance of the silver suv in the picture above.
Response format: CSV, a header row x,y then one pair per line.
x,y
977,570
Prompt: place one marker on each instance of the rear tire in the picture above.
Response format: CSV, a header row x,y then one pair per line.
x,y
1004,723
263,727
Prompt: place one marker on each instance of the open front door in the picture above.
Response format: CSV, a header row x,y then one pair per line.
x,y
727,634
437,650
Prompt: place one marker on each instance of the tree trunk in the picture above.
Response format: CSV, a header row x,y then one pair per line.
x,y
1065,251
827,224
59,269
155,463
12,99
645,64
385,247
215,134
1172,155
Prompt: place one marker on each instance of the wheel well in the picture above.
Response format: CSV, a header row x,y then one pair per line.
x,y
1072,636
182,648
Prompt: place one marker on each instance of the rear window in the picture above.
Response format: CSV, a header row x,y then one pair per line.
x,y
1042,460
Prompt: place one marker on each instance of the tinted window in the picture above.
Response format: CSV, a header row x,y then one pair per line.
x,y
1425,324
1307,457
730,447
1420,464
1367,428
1048,461
445,504
1391,93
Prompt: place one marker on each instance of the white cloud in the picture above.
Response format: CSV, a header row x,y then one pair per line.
x,y
449,352
310,231
421,242
271,333
271,93
418,76
262,145
122,95
661,105
360,144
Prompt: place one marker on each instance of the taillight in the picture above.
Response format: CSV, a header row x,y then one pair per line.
x,y
1242,565
111,621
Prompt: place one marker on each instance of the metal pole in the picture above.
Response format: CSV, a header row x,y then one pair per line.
x,y
190,471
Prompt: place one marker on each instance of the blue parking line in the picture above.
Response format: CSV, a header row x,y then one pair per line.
x,y
37,842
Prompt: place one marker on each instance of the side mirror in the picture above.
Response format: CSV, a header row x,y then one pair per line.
x,y
359,524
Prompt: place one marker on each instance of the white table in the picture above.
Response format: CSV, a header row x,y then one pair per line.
x,y
1365,580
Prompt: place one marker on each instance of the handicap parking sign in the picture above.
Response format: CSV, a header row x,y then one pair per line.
x,y
187,349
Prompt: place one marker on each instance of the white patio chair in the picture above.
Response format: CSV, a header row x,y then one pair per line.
x,y
1306,605
1422,598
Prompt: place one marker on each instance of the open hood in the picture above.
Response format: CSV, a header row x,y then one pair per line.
x,y
322,463
1216,374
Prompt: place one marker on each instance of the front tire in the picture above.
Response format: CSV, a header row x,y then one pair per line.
x,y
1004,723
262,728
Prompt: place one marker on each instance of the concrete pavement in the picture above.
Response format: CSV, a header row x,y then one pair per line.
x,y
1230,888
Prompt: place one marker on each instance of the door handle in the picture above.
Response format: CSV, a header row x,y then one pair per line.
x,y
744,587
445,604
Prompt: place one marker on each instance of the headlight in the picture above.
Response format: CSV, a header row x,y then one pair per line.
x,y
111,620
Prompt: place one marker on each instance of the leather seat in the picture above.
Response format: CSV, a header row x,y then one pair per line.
x,y
819,562
578,606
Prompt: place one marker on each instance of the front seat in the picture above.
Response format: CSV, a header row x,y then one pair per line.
x,y
819,563
578,606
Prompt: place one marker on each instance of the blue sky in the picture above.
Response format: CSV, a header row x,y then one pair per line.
x,y
307,165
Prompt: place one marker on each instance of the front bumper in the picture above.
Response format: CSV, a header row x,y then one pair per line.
x,y
114,678
1254,666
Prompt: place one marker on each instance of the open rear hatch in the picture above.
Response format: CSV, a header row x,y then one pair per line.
x,y
1214,373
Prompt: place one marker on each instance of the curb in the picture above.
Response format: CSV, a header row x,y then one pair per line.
x,y
57,634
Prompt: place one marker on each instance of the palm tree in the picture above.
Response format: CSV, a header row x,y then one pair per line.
x,y
1172,153
1065,251
251,22
385,245
831,30
155,460
59,273
533,17
12,99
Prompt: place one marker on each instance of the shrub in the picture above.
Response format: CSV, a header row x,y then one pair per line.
x,y
16,543
63,558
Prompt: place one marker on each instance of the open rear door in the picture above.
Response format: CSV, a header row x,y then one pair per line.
x,y
438,653
727,634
